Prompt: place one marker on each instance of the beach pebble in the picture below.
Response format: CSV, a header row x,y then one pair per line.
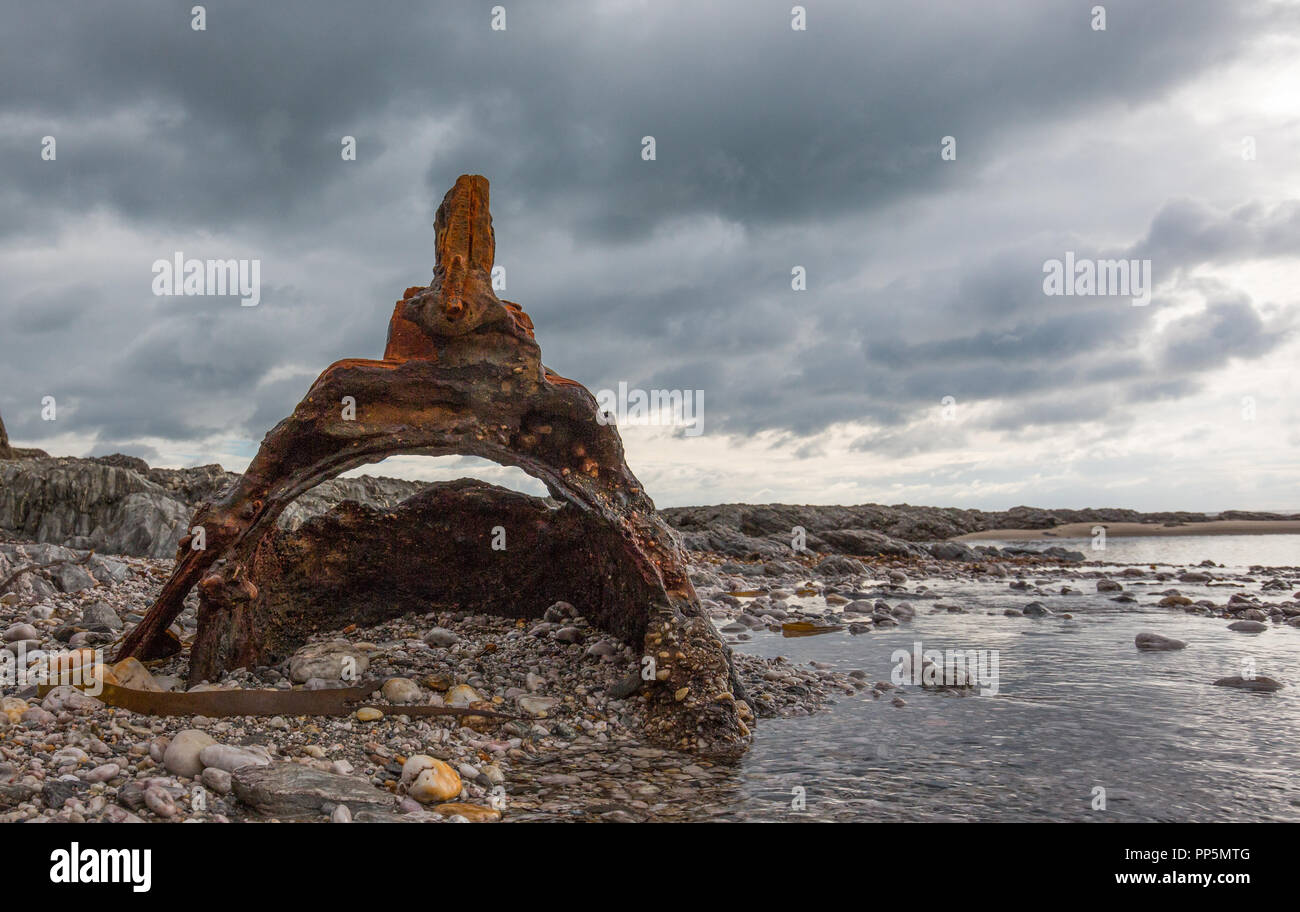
x,y
16,632
159,801
1154,642
569,635
103,773
333,661
441,638
1248,626
429,780
130,672
401,690
218,780
230,758
468,813
182,755
535,706
462,695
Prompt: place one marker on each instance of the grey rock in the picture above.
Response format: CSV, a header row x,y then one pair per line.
x,y
292,790
100,615
56,791
1154,642
218,780
117,505
569,635
229,757
182,756
1248,626
71,578
16,632
334,661
837,565
441,638
1259,683
626,686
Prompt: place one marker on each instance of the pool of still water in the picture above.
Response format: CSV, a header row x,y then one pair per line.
x,y
1078,708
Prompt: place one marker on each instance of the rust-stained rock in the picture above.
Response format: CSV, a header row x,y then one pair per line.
x,y
461,374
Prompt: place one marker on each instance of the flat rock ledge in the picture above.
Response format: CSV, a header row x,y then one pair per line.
x,y
296,790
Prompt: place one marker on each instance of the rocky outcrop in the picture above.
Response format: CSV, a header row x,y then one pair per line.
x,y
873,530
118,505
62,570
11,452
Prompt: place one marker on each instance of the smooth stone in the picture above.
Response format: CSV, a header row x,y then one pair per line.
x,y
333,661
441,638
65,696
1248,626
219,780
182,755
1259,683
462,695
472,813
229,757
538,707
130,672
16,632
430,780
1154,642
401,690
103,773
159,801
569,635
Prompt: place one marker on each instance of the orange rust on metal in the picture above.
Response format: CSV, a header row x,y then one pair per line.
x,y
461,374
337,701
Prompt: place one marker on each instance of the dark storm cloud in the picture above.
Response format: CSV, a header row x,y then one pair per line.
x,y
1230,327
753,121
1189,232
782,138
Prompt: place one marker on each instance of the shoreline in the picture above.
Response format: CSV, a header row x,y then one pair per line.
x,y
1083,530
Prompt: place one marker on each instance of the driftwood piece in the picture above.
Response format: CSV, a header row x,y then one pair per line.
x,y
462,374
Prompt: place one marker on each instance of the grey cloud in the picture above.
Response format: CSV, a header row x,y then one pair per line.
x,y
798,147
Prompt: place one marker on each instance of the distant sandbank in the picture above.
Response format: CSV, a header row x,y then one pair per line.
x,y
1140,530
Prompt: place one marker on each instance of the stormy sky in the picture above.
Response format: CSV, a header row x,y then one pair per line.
x,y
923,363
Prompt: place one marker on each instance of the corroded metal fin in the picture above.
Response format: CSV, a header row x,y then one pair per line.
x,y
463,226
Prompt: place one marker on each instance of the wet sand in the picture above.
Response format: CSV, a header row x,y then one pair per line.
x,y
1138,530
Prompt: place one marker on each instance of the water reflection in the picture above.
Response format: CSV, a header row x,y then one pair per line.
x,y
1079,708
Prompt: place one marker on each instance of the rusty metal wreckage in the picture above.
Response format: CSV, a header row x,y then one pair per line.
x,y
461,374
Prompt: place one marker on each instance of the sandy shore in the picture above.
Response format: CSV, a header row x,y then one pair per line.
x,y
1138,530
